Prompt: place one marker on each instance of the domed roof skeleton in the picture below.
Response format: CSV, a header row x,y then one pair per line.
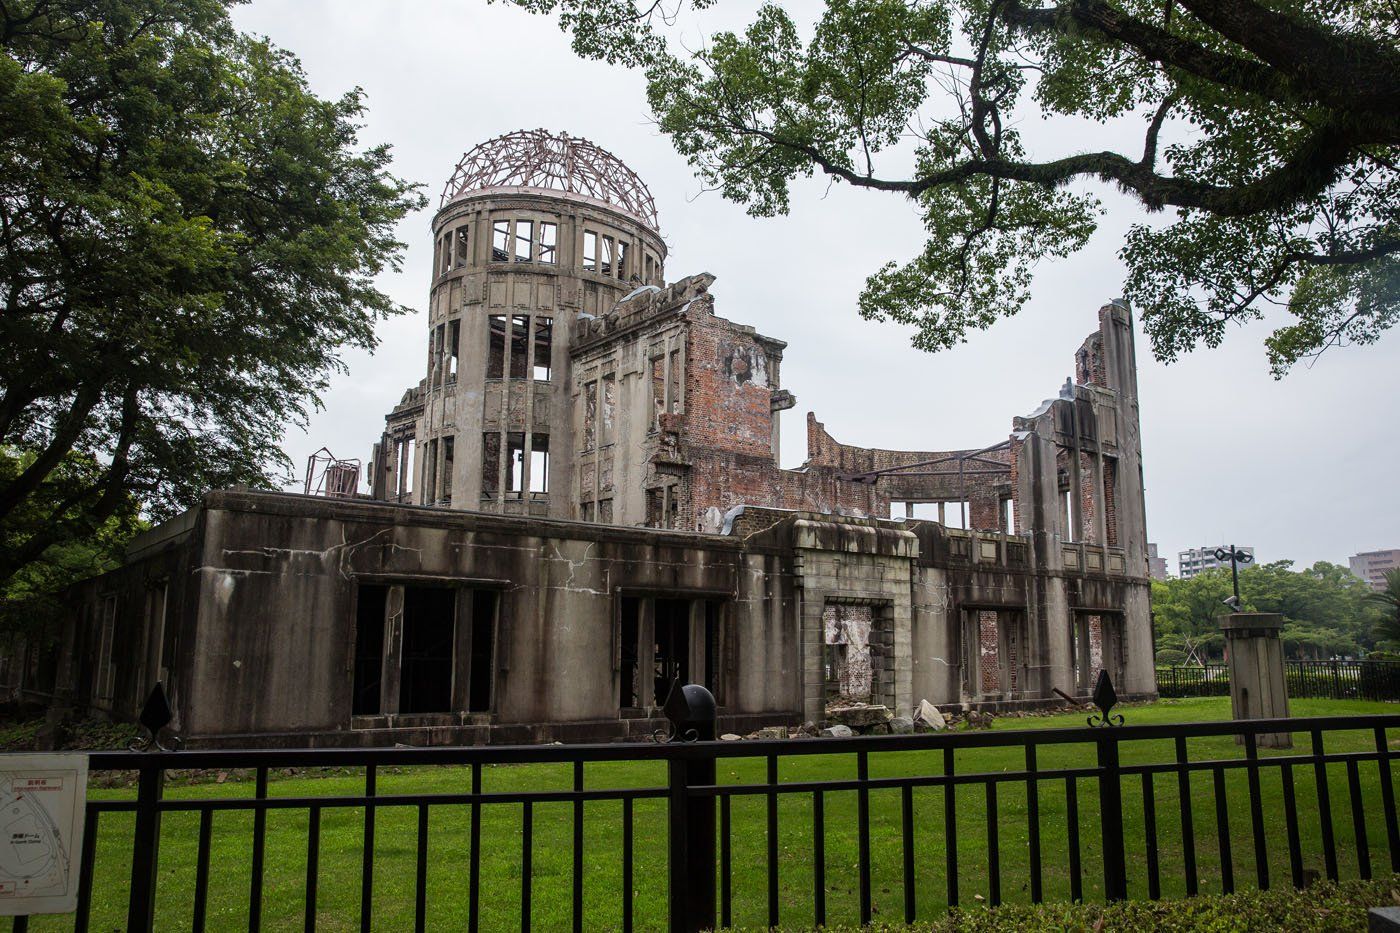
x,y
540,159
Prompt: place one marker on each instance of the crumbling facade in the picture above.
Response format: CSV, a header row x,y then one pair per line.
x,y
582,502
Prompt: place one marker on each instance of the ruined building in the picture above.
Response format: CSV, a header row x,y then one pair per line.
x,y
581,502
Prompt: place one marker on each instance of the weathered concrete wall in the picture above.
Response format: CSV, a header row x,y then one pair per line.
x,y
262,593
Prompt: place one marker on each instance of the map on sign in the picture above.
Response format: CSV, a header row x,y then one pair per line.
x,y
42,800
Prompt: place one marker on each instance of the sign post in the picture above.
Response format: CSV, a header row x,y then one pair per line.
x,y
42,805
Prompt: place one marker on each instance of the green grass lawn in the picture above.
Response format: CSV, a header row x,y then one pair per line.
x,y
449,839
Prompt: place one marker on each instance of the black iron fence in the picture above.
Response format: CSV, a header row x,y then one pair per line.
x,y
693,835
1319,680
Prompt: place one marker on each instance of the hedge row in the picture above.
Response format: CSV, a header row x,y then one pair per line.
x,y
1323,907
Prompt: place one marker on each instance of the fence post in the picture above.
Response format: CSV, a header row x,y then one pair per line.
x,y
691,708
145,848
1115,878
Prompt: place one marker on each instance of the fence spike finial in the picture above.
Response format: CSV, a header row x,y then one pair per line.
x,y
156,715
1105,698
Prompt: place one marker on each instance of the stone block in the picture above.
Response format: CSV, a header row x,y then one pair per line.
x,y
838,731
901,725
928,716
859,716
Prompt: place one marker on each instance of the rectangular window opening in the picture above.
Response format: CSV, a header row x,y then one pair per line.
x,y
658,389
609,402
461,254
676,389
449,445
500,241
515,464
622,265
430,479
519,344
496,352
590,251
607,268
454,340
544,347
524,240
447,253
539,463
549,242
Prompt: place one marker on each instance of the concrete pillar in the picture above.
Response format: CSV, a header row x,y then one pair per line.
x,y
1257,688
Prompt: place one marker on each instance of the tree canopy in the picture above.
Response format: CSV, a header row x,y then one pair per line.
x,y
188,240
32,597
1327,611
1269,130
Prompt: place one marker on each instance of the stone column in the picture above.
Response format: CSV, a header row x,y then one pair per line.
x,y
1257,688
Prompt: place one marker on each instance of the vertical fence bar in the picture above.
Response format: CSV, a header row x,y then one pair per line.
x,y
420,892
527,837
1324,806
578,847
474,866
1290,819
950,826
145,849
367,858
1188,825
89,860
313,865
1222,831
1256,812
863,833
691,856
772,836
1392,828
993,846
255,885
201,871
1115,878
1076,879
818,861
906,812
1033,823
1149,830
627,865
1358,820
726,868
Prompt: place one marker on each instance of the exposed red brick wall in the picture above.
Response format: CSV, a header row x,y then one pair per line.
x,y
727,378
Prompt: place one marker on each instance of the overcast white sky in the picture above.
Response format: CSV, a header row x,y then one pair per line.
x,y
1305,468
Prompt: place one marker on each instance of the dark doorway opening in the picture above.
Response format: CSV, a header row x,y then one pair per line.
x,y
369,649
429,615
672,655
483,651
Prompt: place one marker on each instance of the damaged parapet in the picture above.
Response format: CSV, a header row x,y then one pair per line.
x,y
679,412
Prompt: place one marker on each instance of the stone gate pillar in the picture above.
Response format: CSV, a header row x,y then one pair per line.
x,y
1257,688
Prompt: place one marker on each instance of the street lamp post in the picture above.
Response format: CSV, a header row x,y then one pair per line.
x,y
1236,557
